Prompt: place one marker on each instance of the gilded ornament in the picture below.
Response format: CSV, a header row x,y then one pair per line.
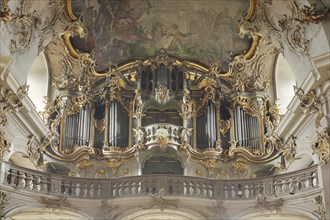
x,y
100,125
161,92
322,146
13,101
138,105
246,105
187,111
240,168
77,103
84,166
140,135
185,133
311,102
114,163
5,13
290,150
101,173
224,126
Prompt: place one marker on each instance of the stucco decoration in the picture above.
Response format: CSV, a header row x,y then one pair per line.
x,y
274,205
198,30
36,21
294,27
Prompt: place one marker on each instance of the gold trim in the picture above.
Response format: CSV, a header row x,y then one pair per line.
x,y
68,5
251,11
72,51
249,54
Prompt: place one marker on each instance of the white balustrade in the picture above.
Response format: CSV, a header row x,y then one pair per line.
x,y
180,186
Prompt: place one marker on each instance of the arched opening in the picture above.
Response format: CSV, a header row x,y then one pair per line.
x,y
37,79
284,81
162,164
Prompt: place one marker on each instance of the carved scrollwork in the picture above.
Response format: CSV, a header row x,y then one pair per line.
x,y
290,150
4,145
274,205
322,146
159,201
240,168
321,211
77,102
140,135
246,105
5,13
56,203
13,101
35,151
84,166
187,111
4,201
29,23
138,105
311,102
161,93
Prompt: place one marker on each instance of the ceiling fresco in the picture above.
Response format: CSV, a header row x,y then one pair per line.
x,y
123,30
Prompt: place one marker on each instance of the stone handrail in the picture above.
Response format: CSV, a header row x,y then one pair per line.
x,y
237,189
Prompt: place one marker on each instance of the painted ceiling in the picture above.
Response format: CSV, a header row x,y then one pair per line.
x,y
123,30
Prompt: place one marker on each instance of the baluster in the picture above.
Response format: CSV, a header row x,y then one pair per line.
x,y
128,190
43,184
85,190
314,180
210,190
133,189
184,188
204,191
91,190
114,190
9,176
37,183
197,189
226,192
246,191
233,192
21,180
99,190
191,189
16,178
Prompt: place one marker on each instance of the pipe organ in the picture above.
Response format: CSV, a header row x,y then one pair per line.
x,y
246,129
118,121
206,128
142,105
77,129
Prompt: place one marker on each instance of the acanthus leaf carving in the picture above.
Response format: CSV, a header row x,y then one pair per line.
x,y
310,102
322,146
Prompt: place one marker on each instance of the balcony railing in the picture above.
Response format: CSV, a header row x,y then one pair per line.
x,y
180,186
